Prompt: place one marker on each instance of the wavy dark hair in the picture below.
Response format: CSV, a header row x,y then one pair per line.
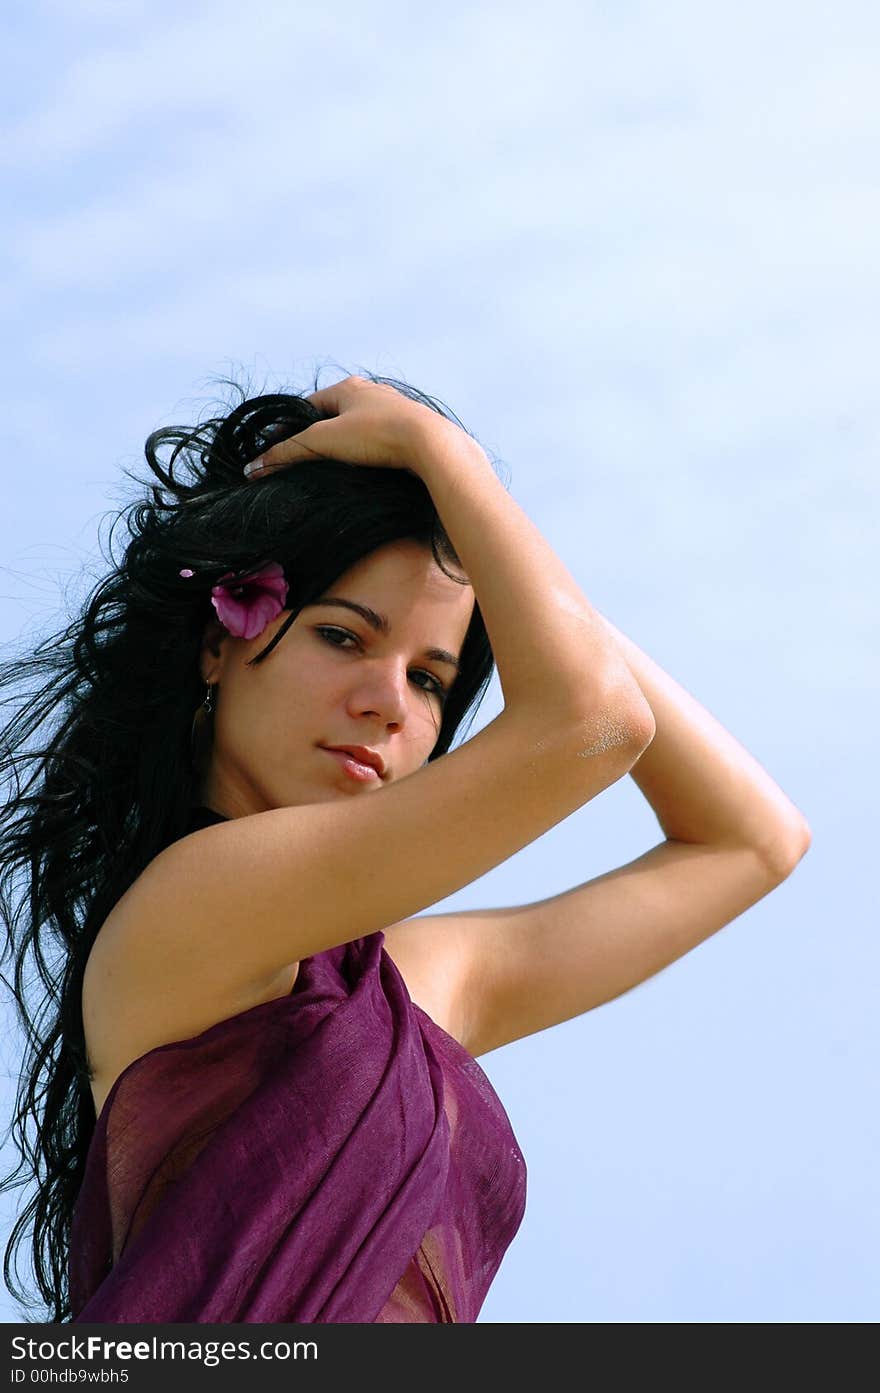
x,y
111,782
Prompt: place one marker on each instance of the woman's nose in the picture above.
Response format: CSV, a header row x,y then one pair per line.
x,y
382,693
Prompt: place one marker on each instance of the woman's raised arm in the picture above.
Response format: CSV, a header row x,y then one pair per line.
x,y
552,649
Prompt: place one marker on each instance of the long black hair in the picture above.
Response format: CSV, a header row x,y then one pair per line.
x,y
111,699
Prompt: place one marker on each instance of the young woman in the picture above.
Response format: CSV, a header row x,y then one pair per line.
x,y
265,1104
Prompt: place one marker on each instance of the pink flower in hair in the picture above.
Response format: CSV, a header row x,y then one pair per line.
x,y
247,603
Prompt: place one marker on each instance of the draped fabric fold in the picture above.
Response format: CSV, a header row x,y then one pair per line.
x,y
329,1156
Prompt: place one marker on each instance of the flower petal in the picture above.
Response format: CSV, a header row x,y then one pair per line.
x,y
246,604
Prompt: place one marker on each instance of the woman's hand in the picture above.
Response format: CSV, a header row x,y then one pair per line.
x,y
370,423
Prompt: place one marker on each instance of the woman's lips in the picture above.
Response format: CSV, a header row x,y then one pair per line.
x,y
352,766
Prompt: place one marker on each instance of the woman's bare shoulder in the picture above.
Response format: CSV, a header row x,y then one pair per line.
x,y
132,1002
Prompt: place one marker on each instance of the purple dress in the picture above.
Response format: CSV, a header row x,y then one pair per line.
x,y
333,1155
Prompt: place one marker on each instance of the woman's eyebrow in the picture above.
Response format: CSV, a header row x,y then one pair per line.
x,y
380,623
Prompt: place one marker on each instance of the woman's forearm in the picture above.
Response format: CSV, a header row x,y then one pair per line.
x,y
550,646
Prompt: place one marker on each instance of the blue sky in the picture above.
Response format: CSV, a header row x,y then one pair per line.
x,y
634,248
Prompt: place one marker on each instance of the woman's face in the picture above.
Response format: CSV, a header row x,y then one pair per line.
x,y
320,686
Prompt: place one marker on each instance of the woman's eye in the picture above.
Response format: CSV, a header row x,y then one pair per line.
x,y
324,631
436,689
331,634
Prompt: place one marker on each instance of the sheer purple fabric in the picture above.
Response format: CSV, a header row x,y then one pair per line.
x,y
330,1156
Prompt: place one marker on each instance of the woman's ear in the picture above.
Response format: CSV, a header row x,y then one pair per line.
x,y
211,650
